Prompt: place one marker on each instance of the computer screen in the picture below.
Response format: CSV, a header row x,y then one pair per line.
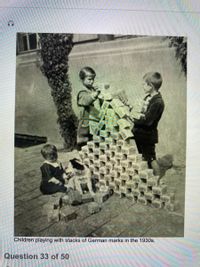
x,y
99,130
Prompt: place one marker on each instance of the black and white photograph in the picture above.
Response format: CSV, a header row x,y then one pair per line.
x,y
100,135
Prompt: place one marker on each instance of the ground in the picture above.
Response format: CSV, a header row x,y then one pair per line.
x,y
119,217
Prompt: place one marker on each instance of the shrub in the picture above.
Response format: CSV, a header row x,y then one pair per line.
x,y
55,49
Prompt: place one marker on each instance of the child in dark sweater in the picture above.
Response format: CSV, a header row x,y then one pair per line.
x,y
145,126
53,174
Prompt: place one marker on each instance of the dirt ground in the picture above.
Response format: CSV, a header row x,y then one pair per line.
x,y
119,217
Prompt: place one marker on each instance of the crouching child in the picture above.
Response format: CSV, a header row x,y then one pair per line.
x,y
82,178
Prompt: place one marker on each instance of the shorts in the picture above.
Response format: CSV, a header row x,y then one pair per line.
x,y
51,188
147,151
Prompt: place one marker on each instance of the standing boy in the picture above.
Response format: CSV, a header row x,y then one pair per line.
x,y
145,128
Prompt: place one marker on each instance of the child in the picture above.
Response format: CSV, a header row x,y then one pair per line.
x,y
82,177
145,127
87,99
53,174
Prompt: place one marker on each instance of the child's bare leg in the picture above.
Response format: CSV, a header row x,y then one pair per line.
x,y
89,182
155,167
89,185
78,187
156,170
70,183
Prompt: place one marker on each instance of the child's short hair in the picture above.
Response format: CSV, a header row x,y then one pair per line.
x,y
76,164
49,152
86,71
153,78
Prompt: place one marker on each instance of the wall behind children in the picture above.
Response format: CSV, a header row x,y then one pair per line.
x,y
120,63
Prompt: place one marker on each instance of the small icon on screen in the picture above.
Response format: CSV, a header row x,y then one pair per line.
x,y
11,23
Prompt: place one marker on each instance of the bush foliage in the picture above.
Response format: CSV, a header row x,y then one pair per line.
x,y
55,49
180,45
